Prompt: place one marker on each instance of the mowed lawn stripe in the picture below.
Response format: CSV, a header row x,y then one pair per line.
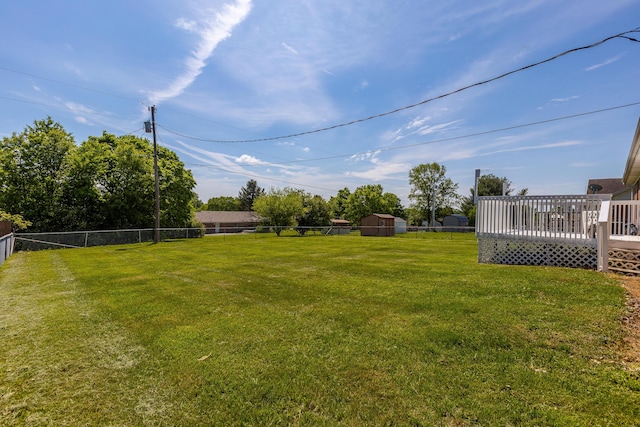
x,y
321,330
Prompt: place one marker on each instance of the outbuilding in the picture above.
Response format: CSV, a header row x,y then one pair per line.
x,y
340,226
455,222
378,225
400,225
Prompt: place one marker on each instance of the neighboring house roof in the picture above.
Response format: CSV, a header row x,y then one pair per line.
x,y
339,222
608,186
632,170
227,217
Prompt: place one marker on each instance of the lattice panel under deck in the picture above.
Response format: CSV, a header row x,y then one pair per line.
x,y
521,252
624,261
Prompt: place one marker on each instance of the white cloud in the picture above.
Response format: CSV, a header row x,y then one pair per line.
x,y
186,24
569,98
370,156
289,48
211,32
607,62
248,160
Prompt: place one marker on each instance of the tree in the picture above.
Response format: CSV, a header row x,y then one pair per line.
x,y
17,222
369,199
223,203
431,189
315,213
32,169
338,203
488,185
111,185
249,194
279,207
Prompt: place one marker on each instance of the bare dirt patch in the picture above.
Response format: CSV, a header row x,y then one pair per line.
x,y
631,321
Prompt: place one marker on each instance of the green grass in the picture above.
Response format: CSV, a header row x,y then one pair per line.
x,y
343,330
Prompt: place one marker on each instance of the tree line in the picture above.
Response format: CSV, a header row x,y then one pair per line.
x,y
433,196
106,182
49,183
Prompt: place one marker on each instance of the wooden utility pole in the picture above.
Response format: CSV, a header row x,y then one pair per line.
x,y
156,229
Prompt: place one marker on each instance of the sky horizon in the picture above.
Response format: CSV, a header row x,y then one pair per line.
x,y
222,73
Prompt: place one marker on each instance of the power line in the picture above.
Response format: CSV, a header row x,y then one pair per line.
x,y
68,84
258,176
622,35
470,135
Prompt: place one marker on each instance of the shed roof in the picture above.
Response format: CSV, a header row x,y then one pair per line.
x,y
632,169
227,217
386,216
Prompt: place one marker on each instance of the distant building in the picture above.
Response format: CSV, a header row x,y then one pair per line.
x,y
340,226
378,225
228,221
400,225
455,222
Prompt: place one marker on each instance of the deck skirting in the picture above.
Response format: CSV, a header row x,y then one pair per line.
x,y
503,249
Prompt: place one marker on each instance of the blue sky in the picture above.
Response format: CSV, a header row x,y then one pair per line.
x,y
235,70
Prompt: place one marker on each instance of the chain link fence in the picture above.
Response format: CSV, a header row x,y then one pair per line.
x,y
83,239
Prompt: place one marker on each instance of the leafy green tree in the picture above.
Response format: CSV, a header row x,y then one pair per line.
x,y
315,213
17,222
430,188
338,203
488,185
279,207
223,203
111,185
176,190
249,194
369,199
32,169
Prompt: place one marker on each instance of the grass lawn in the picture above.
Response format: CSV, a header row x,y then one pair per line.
x,y
342,330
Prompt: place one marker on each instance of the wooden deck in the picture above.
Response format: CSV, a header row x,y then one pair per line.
x,y
583,231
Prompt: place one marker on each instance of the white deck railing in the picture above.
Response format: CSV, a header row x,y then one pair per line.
x,y
540,217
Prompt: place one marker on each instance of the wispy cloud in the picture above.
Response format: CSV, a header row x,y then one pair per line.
x,y
211,32
568,98
607,62
289,48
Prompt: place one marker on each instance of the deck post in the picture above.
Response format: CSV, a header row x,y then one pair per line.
x,y
603,237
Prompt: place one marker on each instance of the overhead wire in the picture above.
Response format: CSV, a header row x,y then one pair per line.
x,y
441,96
470,135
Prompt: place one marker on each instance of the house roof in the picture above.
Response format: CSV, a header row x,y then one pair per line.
x,y
227,217
608,186
632,169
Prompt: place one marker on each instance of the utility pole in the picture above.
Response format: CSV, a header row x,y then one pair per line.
x,y
152,128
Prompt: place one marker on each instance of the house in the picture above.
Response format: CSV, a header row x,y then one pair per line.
x,y
631,176
228,221
613,186
378,225
340,226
